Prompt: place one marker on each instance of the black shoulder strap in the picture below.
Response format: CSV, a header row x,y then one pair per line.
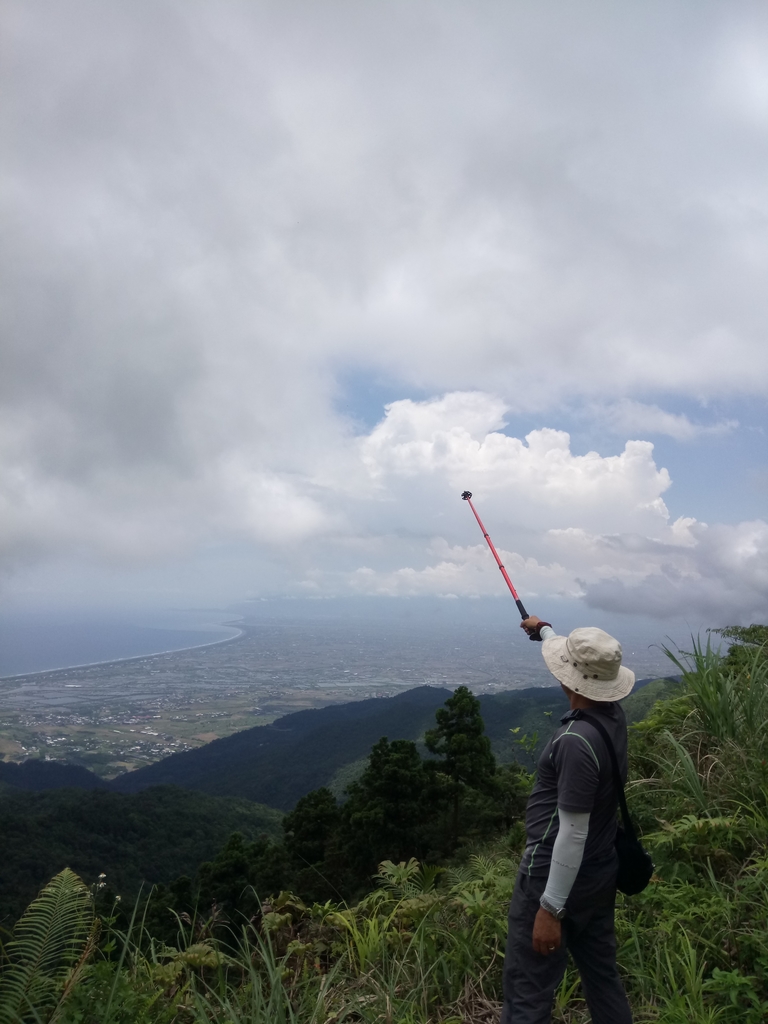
x,y
628,826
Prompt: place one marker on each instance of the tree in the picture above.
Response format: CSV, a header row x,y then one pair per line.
x,y
309,826
459,739
241,875
386,809
311,831
749,644
510,789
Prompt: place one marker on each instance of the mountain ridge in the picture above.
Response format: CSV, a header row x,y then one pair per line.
x,y
277,764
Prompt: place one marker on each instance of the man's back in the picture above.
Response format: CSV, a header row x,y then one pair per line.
x,y
574,773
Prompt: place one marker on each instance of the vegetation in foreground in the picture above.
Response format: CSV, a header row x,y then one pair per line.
x,y
427,944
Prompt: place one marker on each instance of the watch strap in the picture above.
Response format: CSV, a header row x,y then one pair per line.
x,y
552,909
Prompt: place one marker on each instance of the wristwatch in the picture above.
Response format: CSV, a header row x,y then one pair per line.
x,y
550,909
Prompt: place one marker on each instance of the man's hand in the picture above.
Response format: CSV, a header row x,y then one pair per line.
x,y
547,931
530,624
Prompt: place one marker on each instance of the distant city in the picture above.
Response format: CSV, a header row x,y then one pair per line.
x,y
116,716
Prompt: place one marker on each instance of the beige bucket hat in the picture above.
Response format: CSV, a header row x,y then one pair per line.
x,y
588,661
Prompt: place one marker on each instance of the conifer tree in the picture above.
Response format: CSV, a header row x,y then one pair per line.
x,y
386,810
459,738
310,825
311,843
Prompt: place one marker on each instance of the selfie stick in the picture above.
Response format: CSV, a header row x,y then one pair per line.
x,y
467,496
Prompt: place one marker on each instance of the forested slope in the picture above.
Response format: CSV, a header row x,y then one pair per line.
x,y
150,837
38,775
162,836
278,764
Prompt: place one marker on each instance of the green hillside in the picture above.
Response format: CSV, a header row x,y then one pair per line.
x,y
147,838
129,837
279,763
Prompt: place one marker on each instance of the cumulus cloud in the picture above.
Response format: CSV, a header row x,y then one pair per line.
x,y
538,480
632,559
458,571
574,526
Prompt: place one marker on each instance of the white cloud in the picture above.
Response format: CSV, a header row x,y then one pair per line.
x,y
466,572
382,515
720,573
237,189
538,480
630,417
741,85
631,559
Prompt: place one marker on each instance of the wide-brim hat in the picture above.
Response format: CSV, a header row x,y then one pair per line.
x,y
588,661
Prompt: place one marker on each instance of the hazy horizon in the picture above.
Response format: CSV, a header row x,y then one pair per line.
x,y
35,640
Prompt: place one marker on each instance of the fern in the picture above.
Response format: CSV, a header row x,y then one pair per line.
x,y
49,944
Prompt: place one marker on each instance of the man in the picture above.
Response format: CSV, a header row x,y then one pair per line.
x,y
565,891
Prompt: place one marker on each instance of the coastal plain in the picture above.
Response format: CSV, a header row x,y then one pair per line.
x,y
121,715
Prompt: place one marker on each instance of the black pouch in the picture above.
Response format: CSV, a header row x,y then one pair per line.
x,y
635,864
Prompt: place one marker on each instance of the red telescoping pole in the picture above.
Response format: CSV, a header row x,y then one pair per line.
x,y
467,496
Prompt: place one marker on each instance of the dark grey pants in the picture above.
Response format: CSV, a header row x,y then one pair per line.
x,y
530,979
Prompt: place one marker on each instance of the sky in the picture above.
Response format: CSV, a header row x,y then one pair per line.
x,y
282,279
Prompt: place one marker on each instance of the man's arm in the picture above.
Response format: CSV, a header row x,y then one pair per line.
x,y
568,848
567,855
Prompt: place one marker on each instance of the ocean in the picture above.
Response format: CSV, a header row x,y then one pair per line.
x,y
42,641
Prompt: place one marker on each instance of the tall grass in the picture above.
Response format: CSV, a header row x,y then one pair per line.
x,y
730,702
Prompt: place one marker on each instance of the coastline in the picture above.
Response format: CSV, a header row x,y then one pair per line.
x,y
241,631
